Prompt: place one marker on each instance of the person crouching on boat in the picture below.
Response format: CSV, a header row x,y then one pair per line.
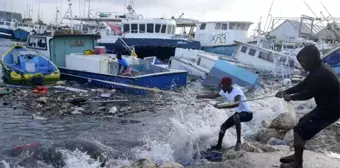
x,y
123,63
243,114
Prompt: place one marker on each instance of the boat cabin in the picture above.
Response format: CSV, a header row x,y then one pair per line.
x,y
56,47
6,27
5,23
148,28
221,33
265,59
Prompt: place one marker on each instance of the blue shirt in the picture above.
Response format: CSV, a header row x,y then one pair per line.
x,y
123,62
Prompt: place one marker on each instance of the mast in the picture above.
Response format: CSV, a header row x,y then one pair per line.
x,y
38,10
69,11
56,17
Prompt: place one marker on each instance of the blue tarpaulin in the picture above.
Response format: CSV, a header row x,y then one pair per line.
x,y
333,59
240,76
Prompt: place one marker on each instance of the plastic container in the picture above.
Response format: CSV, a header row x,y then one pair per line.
x,y
99,50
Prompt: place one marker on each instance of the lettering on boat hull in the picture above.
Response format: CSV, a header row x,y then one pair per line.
x,y
218,38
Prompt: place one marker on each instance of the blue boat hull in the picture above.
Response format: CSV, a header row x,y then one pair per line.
x,y
240,76
333,60
162,81
161,48
6,33
20,35
6,36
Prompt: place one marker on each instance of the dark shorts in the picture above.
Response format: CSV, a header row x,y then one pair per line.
x,y
315,121
244,117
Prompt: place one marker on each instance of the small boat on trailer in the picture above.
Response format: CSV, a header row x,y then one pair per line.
x,y
66,51
22,66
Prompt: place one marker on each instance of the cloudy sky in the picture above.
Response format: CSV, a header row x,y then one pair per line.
x,y
203,10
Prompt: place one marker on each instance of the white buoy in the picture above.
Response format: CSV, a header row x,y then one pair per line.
x,y
286,82
35,117
113,110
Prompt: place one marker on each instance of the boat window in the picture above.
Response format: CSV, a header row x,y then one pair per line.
x,y
291,63
173,29
2,23
232,26
243,26
246,27
270,57
31,26
239,26
157,28
126,28
168,31
202,27
8,24
283,59
263,55
37,42
25,25
244,49
141,28
31,42
41,43
252,52
218,26
224,26
19,24
163,29
149,28
134,28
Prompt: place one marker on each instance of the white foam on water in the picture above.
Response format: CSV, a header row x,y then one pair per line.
x,y
333,155
5,164
79,159
196,127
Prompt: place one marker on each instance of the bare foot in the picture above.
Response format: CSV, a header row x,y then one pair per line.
x,y
290,165
288,159
237,146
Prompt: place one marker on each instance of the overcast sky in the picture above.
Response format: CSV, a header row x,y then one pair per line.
x,y
203,10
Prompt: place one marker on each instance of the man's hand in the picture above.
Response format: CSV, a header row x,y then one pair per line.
x,y
286,97
280,94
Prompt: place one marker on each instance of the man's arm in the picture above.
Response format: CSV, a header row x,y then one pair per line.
x,y
211,96
311,89
298,88
236,103
119,66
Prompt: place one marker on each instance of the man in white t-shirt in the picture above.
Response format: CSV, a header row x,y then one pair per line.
x,y
243,114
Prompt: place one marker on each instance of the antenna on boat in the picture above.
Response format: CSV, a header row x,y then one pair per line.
x,y
269,15
69,11
335,23
38,10
56,17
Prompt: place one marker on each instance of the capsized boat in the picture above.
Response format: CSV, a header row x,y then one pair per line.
x,y
23,66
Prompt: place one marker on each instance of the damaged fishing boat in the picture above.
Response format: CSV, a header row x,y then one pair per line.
x,y
243,65
75,60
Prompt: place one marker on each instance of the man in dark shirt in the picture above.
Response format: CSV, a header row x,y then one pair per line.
x,y
321,84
